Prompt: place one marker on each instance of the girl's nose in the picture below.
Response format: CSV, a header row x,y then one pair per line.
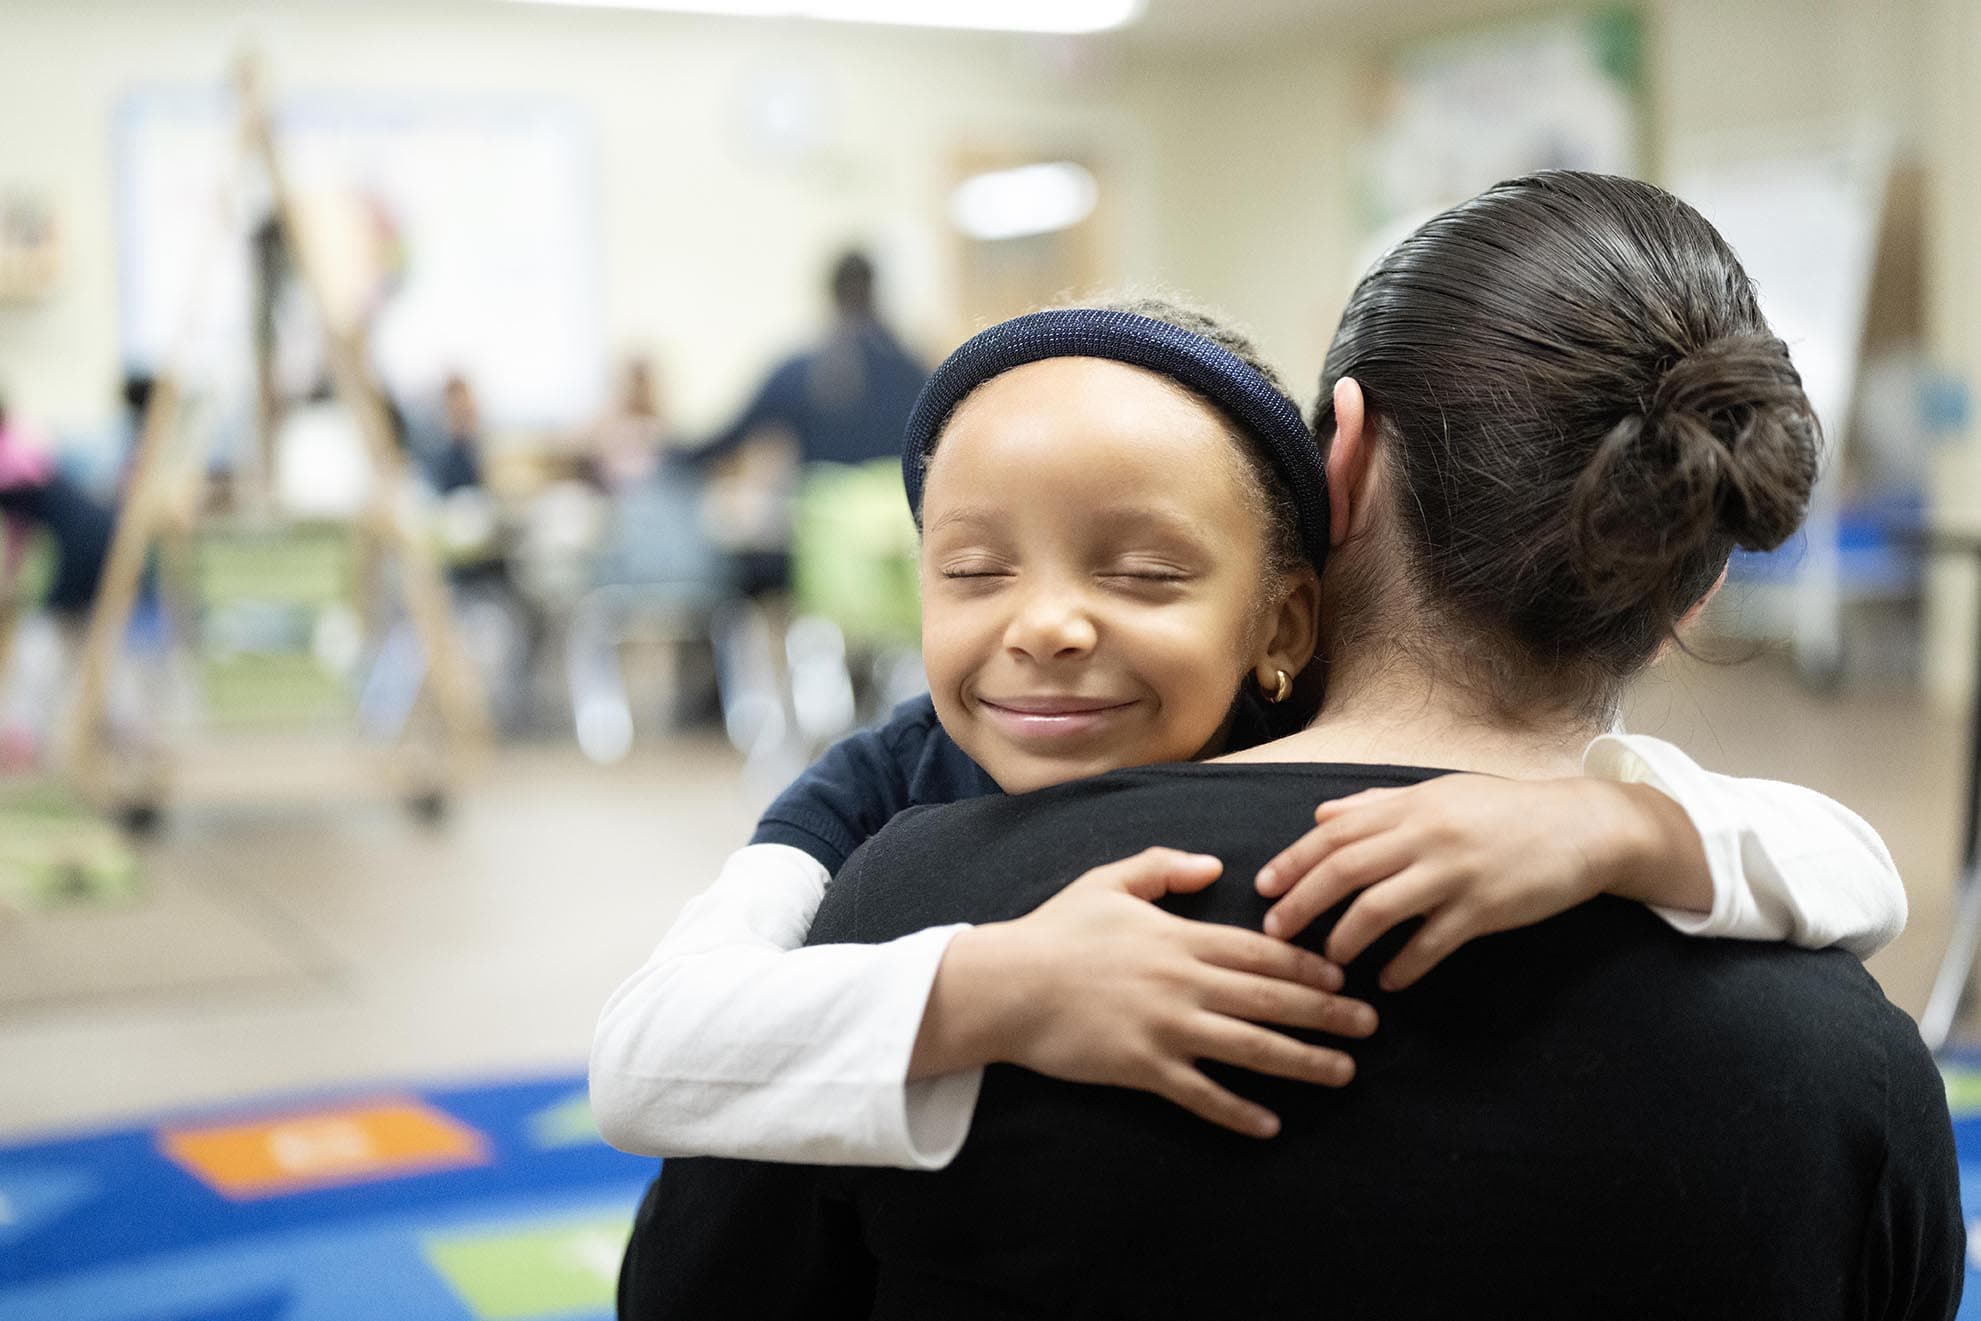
x,y
1051,625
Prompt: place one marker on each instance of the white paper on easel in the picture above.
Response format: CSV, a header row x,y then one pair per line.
x,y
1804,220
1803,212
463,232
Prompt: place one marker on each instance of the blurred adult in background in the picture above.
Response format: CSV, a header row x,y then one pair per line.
x,y
845,400
623,448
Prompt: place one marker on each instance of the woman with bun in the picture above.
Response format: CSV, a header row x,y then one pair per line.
x,y
1548,417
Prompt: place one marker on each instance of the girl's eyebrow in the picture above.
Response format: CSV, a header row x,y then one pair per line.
x,y
967,516
1146,520
1108,521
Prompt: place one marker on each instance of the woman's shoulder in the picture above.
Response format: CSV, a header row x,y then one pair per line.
x,y
995,857
1141,797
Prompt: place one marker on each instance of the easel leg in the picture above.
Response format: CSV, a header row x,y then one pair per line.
x,y
110,615
1956,966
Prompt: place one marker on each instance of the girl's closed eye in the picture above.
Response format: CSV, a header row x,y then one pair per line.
x,y
1149,572
974,569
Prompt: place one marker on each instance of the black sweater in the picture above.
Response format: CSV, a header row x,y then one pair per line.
x,y
1593,1117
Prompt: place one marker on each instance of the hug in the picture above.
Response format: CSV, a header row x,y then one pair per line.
x,y
1264,914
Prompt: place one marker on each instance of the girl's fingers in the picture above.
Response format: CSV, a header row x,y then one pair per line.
x,y
1302,856
1155,872
1338,823
1248,951
1190,1089
1239,995
1247,1046
1335,807
1443,932
1362,863
1379,908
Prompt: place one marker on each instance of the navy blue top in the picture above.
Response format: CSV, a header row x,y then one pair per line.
x,y
873,775
845,402
455,465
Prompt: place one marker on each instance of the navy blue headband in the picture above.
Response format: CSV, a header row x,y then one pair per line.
x,y
1211,370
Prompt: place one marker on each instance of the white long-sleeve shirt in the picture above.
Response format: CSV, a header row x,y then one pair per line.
x,y
732,1040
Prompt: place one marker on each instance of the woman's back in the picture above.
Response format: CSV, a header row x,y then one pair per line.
x,y
1594,1116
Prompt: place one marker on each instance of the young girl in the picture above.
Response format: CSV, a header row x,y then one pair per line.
x,y
1122,515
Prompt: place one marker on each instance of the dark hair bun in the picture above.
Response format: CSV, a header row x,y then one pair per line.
x,y
1724,453
1584,412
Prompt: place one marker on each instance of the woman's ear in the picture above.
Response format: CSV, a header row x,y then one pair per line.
x,y
1292,631
1348,459
1691,615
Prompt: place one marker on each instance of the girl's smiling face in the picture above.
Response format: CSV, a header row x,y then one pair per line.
x,y
1094,574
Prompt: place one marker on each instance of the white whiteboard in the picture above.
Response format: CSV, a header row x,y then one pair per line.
x,y
466,230
1804,216
1804,219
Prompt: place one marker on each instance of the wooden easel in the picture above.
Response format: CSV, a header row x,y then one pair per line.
x,y
158,507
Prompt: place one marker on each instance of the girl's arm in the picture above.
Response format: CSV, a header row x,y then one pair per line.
x,y
1098,985
1787,863
732,1041
1713,855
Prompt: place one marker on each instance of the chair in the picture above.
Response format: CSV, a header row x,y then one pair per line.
x,y
658,576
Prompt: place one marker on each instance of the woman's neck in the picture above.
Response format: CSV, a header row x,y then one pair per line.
x,y
1402,716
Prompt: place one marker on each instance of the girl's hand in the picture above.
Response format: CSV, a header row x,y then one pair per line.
x,y
1472,854
1098,985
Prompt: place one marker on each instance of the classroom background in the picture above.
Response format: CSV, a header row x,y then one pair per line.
x,y
418,568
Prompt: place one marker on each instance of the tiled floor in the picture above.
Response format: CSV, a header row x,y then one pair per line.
x,y
346,944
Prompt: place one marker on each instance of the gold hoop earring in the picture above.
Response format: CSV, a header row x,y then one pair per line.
x,y
1281,687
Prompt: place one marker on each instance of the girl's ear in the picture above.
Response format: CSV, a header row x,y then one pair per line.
x,y
1348,459
1292,630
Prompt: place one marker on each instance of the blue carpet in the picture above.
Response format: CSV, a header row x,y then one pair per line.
x,y
464,1204
1963,1075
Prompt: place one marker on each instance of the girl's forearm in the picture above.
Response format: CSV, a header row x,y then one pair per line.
x,y
731,1041
1654,853
965,1024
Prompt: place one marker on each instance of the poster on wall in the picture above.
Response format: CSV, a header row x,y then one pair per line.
x,y
1457,114
463,236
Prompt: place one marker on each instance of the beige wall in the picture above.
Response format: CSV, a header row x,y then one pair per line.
x,y
1720,67
1253,209
1953,304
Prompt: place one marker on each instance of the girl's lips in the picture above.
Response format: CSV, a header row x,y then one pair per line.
x,y
1047,718
1052,706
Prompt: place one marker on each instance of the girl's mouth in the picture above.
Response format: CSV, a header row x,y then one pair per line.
x,y
1049,718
